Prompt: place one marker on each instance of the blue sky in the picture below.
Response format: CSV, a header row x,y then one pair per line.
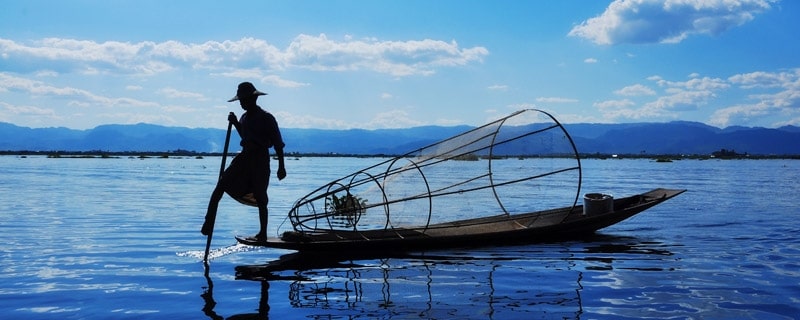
x,y
393,64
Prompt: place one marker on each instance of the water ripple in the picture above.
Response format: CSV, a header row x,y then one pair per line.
x,y
119,238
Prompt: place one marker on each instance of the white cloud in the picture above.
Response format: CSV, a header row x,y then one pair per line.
x,y
392,119
498,87
635,90
27,110
177,94
723,117
290,120
614,104
696,83
679,100
785,101
624,109
39,88
178,109
448,122
32,114
282,83
670,21
247,55
46,73
389,119
590,60
771,94
241,74
762,79
556,100
79,96
679,96
136,117
398,58
707,83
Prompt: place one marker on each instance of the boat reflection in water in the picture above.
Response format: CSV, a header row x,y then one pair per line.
x,y
544,280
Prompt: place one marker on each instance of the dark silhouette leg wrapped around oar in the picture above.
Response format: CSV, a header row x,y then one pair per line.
x,y
216,196
211,214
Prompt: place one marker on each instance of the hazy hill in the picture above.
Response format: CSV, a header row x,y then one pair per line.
x,y
679,137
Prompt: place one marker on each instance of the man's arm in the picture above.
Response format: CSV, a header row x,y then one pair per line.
x,y
281,167
235,122
277,144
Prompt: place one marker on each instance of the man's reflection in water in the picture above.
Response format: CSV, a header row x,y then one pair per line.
x,y
208,298
263,306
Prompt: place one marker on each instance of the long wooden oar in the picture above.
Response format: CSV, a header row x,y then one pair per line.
x,y
213,216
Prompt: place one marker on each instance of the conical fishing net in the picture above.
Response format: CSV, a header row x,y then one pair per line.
x,y
522,163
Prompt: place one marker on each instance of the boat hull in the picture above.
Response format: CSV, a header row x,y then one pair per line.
x,y
551,225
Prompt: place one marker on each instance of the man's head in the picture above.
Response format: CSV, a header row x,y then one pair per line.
x,y
246,94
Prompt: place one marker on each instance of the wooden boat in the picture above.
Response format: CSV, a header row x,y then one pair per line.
x,y
495,184
555,224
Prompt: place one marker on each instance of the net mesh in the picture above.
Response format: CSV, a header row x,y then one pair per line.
x,y
522,163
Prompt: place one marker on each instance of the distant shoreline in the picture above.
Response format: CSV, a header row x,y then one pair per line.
x,y
95,154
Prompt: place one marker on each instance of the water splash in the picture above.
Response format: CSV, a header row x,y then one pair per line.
x,y
218,252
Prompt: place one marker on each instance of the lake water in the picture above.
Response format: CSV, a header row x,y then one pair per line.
x,y
119,238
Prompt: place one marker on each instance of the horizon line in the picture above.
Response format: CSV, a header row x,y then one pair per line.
x,y
399,128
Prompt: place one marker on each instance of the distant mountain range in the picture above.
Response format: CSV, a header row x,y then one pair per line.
x,y
678,137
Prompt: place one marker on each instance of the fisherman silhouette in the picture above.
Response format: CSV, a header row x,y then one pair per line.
x,y
247,177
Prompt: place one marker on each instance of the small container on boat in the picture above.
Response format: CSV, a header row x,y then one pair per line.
x,y
597,203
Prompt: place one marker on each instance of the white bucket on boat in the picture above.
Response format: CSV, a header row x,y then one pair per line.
x,y
597,203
